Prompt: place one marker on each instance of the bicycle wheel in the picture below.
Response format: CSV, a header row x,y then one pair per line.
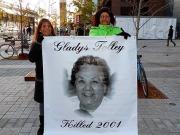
x,y
143,81
6,51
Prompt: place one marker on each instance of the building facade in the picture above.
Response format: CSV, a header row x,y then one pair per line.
x,y
130,7
12,17
176,13
63,13
126,8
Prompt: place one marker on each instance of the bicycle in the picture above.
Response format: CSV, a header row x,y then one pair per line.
x,y
7,50
141,75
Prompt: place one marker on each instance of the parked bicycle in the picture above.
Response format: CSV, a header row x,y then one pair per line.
x,y
141,75
7,50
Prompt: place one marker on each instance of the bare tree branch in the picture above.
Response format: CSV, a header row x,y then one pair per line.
x,y
163,7
145,4
149,10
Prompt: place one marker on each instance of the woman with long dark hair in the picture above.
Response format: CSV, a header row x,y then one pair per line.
x,y
44,28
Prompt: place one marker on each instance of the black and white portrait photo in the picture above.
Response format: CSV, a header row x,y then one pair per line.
x,y
90,81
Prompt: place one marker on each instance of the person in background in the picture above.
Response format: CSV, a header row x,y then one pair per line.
x,y
44,28
24,31
28,31
80,30
170,36
104,25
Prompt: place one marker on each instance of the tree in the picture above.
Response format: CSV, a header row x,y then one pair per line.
x,y
85,8
23,13
138,9
41,12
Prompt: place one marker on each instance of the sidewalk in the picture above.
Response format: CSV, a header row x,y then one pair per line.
x,y
161,117
19,113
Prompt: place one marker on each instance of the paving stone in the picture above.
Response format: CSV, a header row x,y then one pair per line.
x,y
31,120
14,72
9,131
20,122
4,108
3,122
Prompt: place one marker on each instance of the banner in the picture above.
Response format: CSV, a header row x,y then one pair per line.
x,y
90,85
153,28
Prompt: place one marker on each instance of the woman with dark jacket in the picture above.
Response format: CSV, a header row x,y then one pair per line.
x,y
44,28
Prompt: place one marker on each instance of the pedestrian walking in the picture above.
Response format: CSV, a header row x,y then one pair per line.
x,y
170,36
44,28
28,31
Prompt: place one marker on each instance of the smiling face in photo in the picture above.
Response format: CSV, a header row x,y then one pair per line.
x,y
90,87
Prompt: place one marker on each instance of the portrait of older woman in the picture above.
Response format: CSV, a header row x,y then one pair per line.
x,y
90,78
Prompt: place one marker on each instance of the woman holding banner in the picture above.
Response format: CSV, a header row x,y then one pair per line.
x,y
44,28
104,25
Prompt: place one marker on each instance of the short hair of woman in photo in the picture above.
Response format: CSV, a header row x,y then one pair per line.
x,y
91,78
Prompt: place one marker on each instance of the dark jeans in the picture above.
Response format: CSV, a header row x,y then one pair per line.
x,y
171,41
41,119
41,109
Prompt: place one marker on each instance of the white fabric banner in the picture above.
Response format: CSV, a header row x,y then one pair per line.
x,y
155,28
90,85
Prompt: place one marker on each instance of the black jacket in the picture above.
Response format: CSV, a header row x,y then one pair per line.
x,y
35,55
170,34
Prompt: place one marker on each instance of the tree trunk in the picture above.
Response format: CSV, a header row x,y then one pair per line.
x,y
21,15
138,21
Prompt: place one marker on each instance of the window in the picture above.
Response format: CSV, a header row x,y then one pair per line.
x,y
144,11
125,10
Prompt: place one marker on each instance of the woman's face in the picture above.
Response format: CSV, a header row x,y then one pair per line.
x,y
90,87
46,29
105,18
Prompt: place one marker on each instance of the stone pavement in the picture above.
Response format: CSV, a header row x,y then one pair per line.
x,y
161,116
19,113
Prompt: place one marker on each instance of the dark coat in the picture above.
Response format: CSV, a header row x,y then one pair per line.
x,y
80,31
170,34
35,55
